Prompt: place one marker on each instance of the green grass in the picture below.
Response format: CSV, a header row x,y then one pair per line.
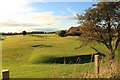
x,y
29,56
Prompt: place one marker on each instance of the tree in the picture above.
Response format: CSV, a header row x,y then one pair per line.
x,y
24,33
101,23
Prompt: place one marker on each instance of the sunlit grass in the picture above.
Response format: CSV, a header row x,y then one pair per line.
x,y
23,56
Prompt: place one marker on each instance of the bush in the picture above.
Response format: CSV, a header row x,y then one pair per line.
x,y
62,33
75,33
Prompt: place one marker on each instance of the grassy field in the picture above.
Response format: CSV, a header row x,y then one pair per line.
x,y
44,55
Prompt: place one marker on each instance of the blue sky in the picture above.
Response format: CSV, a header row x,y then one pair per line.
x,y
61,8
35,15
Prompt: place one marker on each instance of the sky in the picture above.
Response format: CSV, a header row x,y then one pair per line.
x,y
39,15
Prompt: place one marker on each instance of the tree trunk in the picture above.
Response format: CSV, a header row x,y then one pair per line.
x,y
111,55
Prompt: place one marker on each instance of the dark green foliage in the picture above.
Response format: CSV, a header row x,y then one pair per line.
x,y
62,33
76,33
24,33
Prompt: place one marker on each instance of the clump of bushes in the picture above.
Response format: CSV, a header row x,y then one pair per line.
x,y
75,33
61,33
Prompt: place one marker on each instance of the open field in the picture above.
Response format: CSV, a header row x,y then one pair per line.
x,y
43,56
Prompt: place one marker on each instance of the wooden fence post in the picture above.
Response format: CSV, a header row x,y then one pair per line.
x,y
5,74
97,66
64,60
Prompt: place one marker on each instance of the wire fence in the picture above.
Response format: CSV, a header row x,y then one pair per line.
x,y
94,69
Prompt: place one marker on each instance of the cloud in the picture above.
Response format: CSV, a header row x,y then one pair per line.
x,y
45,29
10,8
62,12
39,1
17,15
71,11
36,20
66,0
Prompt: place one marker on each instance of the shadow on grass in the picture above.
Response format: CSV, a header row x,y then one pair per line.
x,y
41,45
80,59
99,53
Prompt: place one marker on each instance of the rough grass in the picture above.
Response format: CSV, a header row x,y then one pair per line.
x,y
35,56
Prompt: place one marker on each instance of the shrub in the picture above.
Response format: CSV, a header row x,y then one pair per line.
x,y
62,33
75,33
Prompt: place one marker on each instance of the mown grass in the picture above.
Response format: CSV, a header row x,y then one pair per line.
x,y
30,56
